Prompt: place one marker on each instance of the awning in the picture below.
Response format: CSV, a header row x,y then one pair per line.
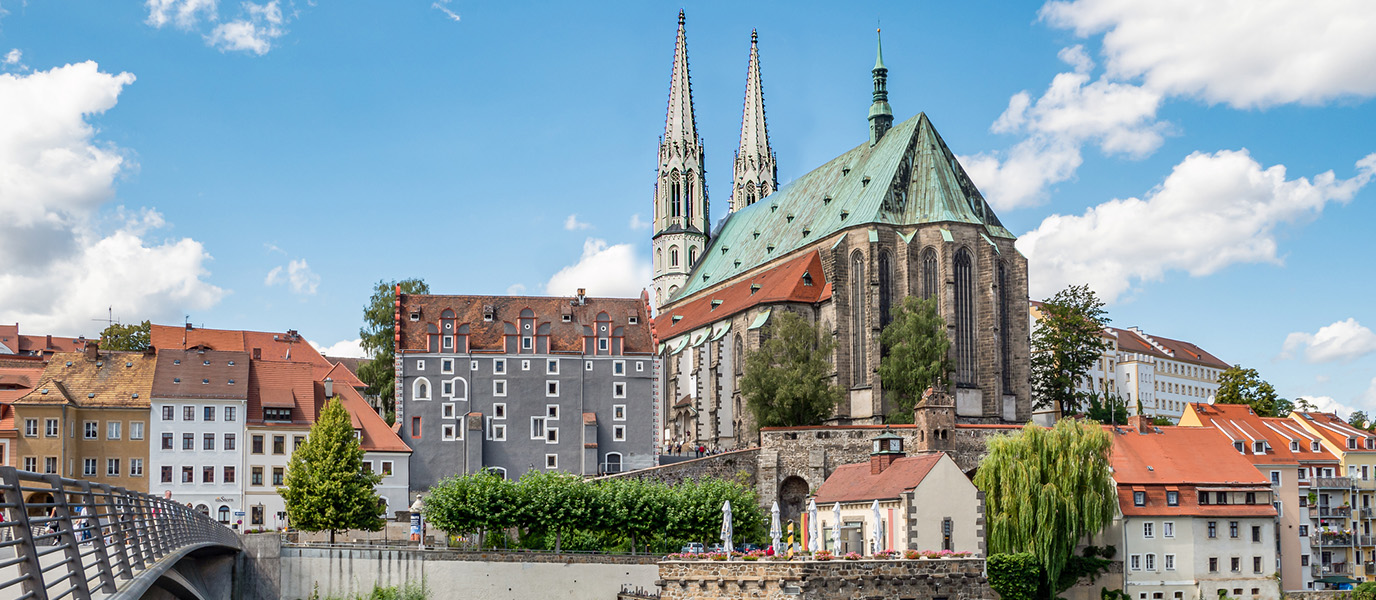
x,y
946,235
679,346
760,319
720,330
278,399
1336,579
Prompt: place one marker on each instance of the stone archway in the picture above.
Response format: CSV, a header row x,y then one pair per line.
x,y
39,498
793,493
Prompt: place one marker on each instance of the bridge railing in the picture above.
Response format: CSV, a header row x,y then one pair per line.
x,y
68,538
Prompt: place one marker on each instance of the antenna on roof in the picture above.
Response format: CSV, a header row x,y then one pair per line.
x,y
109,318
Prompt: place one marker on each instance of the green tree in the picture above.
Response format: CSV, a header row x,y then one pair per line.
x,y
637,508
327,489
552,502
1365,591
134,338
787,381
917,355
1066,342
1304,405
1107,408
1240,385
1045,490
1015,576
477,503
1359,420
378,335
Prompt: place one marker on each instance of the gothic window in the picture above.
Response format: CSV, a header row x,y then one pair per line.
x,y
749,193
675,194
688,196
673,256
1005,345
929,281
692,256
857,314
885,288
965,318
738,359
659,258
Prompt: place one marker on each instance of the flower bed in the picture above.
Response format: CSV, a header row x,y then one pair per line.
x,y
885,555
852,556
823,555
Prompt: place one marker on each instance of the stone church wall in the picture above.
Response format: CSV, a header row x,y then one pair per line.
x,y
738,465
923,579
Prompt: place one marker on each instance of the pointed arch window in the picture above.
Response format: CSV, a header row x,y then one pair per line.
x,y
929,281
857,314
738,359
1005,345
965,318
749,193
692,256
675,194
885,288
688,196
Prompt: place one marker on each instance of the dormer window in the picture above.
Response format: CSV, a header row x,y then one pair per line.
x,y
1370,443
1240,447
276,414
1313,446
1294,446
1258,447
567,318
1139,498
175,361
1351,443
807,278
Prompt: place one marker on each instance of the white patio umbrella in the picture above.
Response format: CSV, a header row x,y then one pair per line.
x,y
836,527
726,526
814,527
877,534
775,530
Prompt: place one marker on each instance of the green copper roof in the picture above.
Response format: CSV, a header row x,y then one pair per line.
x,y
866,185
879,56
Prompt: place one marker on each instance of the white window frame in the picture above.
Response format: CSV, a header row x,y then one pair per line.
x,y
619,368
136,467
551,388
90,430
499,411
551,435
449,432
551,366
472,365
551,412
448,410
551,461
527,342
112,467
446,366
1148,530
618,433
30,427
231,415
639,366
1168,529
415,389
1169,562
587,365
1135,562
499,388
525,365
499,366
89,466
618,389
420,364
618,412
387,469
136,430
447,342
1150,564
447,388
602,344
114,430
537,428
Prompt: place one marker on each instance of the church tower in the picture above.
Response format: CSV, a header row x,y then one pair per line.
x,y
755,170
681,226
881,115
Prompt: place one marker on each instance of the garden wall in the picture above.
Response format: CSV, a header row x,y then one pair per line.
x,y
923,579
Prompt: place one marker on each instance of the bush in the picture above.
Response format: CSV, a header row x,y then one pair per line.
x,y
823,555
1365,591
1015,576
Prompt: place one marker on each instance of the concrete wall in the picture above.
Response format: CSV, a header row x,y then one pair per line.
x,y
481,576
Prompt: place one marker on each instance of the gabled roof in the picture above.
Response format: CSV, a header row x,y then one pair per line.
x,y
114,379
1334,430
1179,455
784,283
12,342
377,436
854,483
18,376
851,190
1136,341
281,385
269,346
201,374
1239,423
484,336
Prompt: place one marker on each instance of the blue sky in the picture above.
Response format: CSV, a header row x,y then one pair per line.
x,y
261,165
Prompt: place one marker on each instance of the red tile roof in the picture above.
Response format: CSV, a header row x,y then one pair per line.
x,y
1179,455
485,336
854,483
1335,430
281,384
18,376
377,435
185,374
784,283
1132,341
36,345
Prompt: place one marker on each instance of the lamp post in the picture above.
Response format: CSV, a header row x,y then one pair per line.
x,y
417,523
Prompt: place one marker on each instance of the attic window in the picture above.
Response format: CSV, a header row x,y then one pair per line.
x,y
567,318
205,382
826,200
738,263
176,380
488,313
754,287
136,395
205,363
724,249
845,171
773,207
633,320
129,365
844,214
69,363
864,182
715,304
1258,447
769,248
231,382
757,234
806,231
91,395
704,276
231,363
789,218
1239,447
415,315
807,278
677,318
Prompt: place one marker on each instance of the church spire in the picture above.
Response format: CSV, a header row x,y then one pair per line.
x,y
881,115
755,170
680,202
680,124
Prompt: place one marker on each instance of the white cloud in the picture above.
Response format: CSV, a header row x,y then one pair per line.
x,y
638,224
297,274
342,349
1343,341
1214,210
573,224
1327,404
1245,53
64,262
516,289
184,13
274,276
13,57
253,32
603,270
443,6
1019,177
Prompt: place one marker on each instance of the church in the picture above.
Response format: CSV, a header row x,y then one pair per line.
x,y
840,246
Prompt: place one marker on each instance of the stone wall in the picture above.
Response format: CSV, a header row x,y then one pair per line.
x,y
737,465
1319,595
954,579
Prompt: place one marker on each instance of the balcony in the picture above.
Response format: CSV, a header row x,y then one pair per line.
x,y
1335,511
1370,568
1364,484
1333,538
1341,568
1345,483
1366,513
1366,540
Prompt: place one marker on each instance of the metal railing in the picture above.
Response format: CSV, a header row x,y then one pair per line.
x,y
1332,569
1335,511
1330,538
67,538
1332,482
1366,513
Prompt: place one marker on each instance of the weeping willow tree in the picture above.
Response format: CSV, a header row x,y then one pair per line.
x,y
1044,490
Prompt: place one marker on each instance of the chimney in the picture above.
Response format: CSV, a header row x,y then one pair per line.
x,y
329,388
888,447
49,345
92,350
1141,423
582,296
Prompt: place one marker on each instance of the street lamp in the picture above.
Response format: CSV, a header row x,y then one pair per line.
x,y
417,523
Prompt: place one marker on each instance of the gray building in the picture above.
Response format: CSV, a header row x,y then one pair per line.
x,y
513,383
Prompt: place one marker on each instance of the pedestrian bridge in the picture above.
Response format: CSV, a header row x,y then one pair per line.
x,y
66,538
